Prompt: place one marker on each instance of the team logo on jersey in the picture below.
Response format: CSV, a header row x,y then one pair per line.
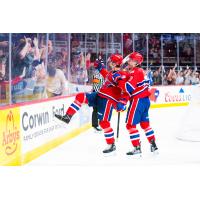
x,y
154,94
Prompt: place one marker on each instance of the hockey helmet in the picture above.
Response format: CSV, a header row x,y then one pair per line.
x,y
116,58
136,57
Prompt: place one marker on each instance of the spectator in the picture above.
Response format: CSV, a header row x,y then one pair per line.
x,y
64,56
171,77
188,76
157,79
25,58
78,69
149,75
165,79
2,68
24,55
1,52
88,60
180,78
43,50
187,52
56,84
4,44
128,43
60,64
89,66
39,90
195,78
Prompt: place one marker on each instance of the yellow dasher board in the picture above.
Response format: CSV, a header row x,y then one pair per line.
x,y
10,137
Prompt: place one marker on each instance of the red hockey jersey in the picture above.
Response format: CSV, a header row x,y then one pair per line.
x,y
136,86
110,90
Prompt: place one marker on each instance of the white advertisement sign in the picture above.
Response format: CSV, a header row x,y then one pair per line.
x,y
170,94
39,126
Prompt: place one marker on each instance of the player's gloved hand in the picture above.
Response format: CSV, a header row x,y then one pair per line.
x,y
99,64
117,76
121,107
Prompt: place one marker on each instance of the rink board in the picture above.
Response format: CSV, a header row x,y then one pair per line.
x,y
170,95
35,131
10,137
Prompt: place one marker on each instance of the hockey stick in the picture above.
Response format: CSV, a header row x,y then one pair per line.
x,y
118,121
125,59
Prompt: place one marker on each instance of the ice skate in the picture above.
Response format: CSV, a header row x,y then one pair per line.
x,y
153,147
65,118
110,150
97,129
136,152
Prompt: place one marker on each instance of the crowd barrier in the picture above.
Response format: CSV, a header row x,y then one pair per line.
x,y
28,130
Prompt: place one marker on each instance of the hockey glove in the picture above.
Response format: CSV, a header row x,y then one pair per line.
x,y
121,105
117,76
99,65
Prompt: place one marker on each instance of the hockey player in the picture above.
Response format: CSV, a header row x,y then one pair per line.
x,y
137,88
107,98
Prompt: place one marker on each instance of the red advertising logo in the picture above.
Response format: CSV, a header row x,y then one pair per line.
x,y
10,135
154,94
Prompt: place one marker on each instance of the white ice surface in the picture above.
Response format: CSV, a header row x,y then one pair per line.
x,y
86,149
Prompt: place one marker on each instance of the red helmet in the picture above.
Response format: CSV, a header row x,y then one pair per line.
x,y
116,58
137,57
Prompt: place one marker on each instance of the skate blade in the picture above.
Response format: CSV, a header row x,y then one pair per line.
x,y
97,132
114,153
57,121
136,156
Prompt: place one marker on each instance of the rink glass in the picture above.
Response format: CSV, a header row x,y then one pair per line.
x,y
76,53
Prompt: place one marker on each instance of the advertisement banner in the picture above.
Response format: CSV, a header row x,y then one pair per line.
x,y
10,137
170,95
39,126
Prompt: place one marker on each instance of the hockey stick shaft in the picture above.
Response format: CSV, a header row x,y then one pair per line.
x,y
118,122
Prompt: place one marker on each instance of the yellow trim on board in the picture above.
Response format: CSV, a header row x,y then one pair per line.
x,y
169,105
31,155
14,162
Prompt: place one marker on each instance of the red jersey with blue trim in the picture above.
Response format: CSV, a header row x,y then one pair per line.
x,y
136,86
110,90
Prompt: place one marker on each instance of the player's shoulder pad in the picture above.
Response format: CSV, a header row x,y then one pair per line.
x,y
140,70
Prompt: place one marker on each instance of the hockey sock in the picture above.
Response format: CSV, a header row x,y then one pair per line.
x,y
108,132
134,134
76,105
148,131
